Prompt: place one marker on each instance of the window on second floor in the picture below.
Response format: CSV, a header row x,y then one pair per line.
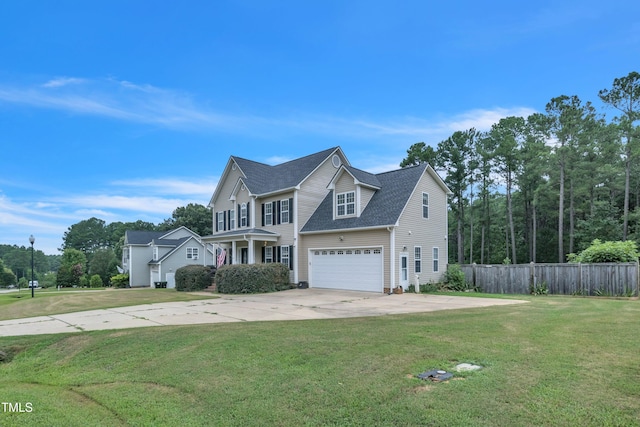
x,y
155,253
268,214
232,219
243,215
284,211
220,221
192,253
425,205
346,203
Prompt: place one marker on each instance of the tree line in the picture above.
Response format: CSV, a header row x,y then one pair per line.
x,y
537,188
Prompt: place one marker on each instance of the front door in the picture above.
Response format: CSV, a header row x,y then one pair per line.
x,y
404,270
244,255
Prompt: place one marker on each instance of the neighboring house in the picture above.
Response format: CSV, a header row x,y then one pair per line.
x,y
335,226
154,256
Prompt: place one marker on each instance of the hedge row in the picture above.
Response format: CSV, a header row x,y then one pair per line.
x,y
252,278
194,278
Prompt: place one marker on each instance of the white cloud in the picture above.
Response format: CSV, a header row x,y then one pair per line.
x,y
63,81
132,102
202,187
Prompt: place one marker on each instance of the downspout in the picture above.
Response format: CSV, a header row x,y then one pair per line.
x,y
296,236
392,258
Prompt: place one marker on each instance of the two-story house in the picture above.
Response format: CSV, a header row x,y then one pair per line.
x,y
154,256
335,226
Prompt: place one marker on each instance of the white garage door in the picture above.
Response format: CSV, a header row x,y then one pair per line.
x,y
357,269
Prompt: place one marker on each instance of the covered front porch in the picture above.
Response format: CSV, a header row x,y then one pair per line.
x,y
241,246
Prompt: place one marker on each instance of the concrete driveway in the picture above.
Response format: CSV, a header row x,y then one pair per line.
x,y
295,304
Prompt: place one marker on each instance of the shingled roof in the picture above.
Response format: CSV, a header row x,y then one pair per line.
x,y
135,237
263,179
384,208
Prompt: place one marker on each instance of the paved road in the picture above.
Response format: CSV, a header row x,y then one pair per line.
x,y
295,304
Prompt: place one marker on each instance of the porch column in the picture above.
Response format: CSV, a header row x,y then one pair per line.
x,y
234,255
252,257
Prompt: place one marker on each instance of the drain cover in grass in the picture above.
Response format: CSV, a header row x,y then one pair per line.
x,y
463,367
435,375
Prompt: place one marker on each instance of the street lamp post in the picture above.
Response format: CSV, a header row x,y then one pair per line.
x,y
32,241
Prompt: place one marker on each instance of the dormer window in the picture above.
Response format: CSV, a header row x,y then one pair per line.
x,y
346,203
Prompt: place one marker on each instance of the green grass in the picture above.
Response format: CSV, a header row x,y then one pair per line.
x,y
15,305
557,361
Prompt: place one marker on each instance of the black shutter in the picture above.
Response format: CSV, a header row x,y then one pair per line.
x,y
263,254
217,220
291,210
239,224
278,209
263,220
290,257
248,215
274,214
276,253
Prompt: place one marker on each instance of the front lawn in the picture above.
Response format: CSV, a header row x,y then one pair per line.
x,y
554,361
15,305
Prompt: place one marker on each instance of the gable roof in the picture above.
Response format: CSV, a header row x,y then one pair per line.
x,y
135,237
363,177
384,208
261,178
162,238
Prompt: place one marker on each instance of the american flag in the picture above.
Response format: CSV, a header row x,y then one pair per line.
x,y
222,254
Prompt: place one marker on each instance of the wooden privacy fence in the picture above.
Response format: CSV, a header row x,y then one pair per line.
x,y
606,279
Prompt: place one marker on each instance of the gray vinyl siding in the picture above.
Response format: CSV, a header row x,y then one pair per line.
x,y
414,230
286,230
313,190
222,202
139,269
345,183
351,239
365,196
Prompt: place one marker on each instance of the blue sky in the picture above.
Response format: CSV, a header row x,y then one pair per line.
x,y
125,110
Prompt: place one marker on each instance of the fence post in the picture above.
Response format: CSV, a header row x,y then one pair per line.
x,y
637,278
473,274
532,275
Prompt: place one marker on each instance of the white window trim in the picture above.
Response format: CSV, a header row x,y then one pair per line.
x,y
232,219
417,259
425,206
346,204
436,259
268,213
268,254
193,253
221,220
243,215
155,253
284,211
284,255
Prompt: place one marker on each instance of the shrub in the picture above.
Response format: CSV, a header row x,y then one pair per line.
x,y
96,281
254,278
120,280
192,278
454,279
619,251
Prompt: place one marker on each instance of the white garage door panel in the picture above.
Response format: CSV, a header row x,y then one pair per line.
x,y
351,269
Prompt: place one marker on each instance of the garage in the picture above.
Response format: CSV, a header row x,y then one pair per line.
x,y
355,269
